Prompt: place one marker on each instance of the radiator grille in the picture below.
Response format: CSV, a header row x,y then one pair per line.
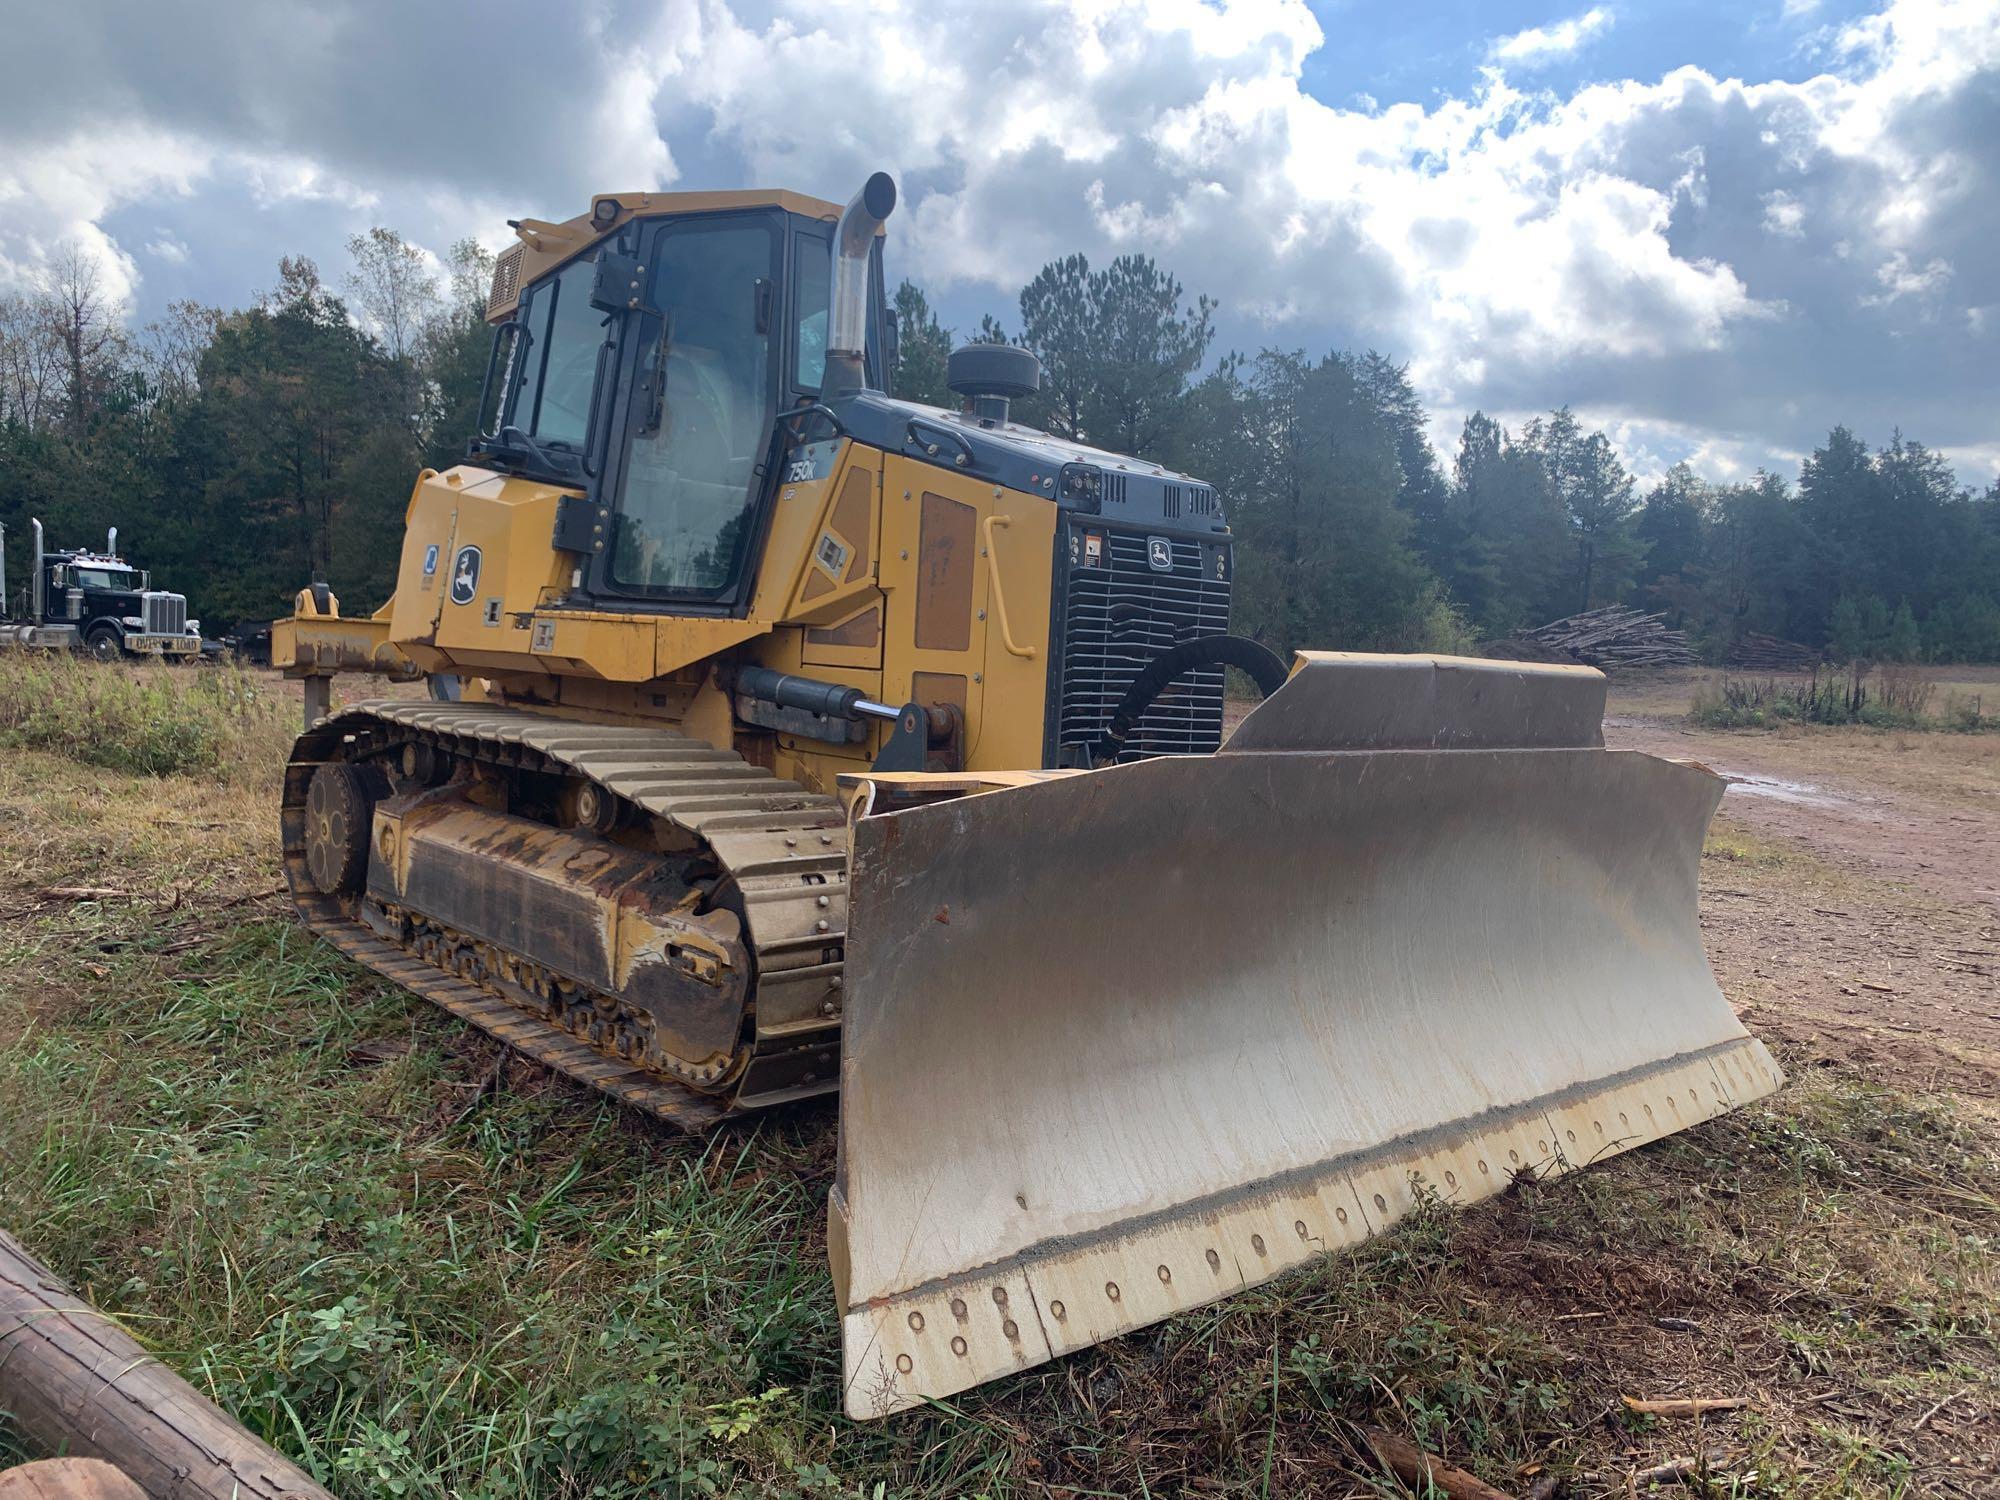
x,y
1116,619
164,614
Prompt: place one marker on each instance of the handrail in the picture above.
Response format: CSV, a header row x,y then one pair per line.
x,y
915,429
999,598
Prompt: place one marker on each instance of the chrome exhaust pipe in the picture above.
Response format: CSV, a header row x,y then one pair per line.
x,y
111,543
38,584
847,299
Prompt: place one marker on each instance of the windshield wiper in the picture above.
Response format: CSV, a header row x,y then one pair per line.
x,y
540,453
511,440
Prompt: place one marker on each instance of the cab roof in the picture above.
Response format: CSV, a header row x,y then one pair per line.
x,y
545,245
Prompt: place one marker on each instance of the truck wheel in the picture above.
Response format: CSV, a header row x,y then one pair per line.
x,y
105,643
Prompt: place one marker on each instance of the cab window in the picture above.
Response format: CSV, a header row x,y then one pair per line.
x,y
553,382
701,413
814,258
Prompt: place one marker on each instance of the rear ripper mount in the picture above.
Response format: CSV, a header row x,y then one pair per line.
x,y
635,908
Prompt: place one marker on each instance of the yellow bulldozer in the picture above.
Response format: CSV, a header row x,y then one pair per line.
x,y
787,737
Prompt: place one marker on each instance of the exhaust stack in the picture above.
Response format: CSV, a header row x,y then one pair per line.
x,y
111,542
38,583
847,301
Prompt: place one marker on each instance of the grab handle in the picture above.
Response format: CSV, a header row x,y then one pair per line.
x,y
999,598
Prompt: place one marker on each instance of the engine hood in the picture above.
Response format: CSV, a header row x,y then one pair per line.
x,y
1026,458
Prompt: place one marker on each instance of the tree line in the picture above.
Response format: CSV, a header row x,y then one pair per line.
x,y
1352,533
241,451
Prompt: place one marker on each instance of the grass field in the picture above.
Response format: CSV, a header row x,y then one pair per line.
x,y
424,1268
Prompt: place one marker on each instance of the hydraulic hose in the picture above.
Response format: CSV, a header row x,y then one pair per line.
x,y
1259,662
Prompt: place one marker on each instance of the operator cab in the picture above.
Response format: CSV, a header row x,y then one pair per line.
x,y
650,370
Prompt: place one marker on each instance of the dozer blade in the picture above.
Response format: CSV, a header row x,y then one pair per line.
x,y
1120,1043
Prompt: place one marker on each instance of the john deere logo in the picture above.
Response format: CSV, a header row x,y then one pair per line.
x,y
1159,554
465,575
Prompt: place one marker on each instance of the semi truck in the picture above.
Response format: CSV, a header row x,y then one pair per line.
x,y
93,602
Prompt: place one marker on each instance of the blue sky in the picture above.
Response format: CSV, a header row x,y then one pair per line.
x,y
1423,50
1715,229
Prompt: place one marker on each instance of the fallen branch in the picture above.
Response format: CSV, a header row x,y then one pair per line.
x,y
82,893
247,897
1419,1469
1677,1469
1924,1420
1685,1406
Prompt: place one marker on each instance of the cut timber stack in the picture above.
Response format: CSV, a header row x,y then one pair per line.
x,y
1614,637
1769,653
72,1381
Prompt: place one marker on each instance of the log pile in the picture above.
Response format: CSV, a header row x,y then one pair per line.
x,y
1611,638
1768,653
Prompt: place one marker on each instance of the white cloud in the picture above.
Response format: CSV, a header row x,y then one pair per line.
x,y
169,248
61,195
1901,279
1543,44
1784,214
1978,464
1685,252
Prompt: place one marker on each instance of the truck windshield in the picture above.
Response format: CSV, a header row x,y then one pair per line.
x,y
100,578
700,426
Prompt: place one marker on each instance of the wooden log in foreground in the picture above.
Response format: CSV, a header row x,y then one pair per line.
x,y
74,1382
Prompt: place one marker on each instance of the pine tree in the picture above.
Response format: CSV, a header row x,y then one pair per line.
x,y
1845,639
1904,641
922,346
1672,528
1323,555
1119,352
1059,322
1150,347
1597,498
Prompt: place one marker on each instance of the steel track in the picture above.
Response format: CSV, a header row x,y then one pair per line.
x,y
781,848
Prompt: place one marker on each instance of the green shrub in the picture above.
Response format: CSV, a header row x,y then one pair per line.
x,y
1898,697
1965,713
1441,626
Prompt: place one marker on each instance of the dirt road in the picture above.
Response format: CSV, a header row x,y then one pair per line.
x,y
1851,895
1850,810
